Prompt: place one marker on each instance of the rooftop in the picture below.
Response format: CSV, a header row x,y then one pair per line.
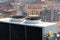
x,y
41,24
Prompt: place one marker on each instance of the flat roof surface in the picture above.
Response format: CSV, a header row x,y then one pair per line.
x,y
41,24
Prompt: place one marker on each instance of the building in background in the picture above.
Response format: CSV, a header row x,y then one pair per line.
x,y
34,8
50,15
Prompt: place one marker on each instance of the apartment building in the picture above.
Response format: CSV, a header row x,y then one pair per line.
x,y
34,8
50,15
